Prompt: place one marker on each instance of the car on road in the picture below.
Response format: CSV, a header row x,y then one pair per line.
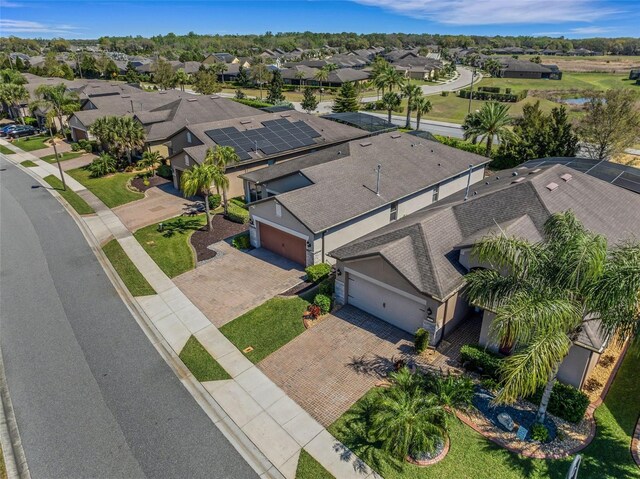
x,y
21,130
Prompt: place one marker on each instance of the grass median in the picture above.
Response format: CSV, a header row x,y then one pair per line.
x,y
6,151
309,468
132,278
28,164
78,204
200,363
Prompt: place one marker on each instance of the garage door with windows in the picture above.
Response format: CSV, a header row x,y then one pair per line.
x,y
390,306
283,243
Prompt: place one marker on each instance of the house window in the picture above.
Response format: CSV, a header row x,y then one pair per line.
x,y
188,137
394,211
186,160
436,193
278,210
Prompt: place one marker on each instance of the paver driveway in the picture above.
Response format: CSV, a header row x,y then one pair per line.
x,y
330,366
235,282
159,203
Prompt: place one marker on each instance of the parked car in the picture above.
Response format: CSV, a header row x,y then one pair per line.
x,y
6,129
22,130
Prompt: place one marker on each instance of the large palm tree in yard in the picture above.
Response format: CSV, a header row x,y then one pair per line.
x,y
130,135
491,121
421,106
58,98
151,160
545,294
222,158
197,180
391,101
410,92
12,94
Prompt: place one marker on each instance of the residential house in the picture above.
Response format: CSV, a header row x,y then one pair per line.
x,y
420,68
305,208
410,273
220,57
513,68
259,139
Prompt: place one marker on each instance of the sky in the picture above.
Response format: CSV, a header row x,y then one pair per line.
x,y
92,19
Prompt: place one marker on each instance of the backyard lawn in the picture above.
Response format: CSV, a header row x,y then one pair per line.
x,y
309,468
170,248
111,189
31,143
472,456
268,327
132,278
570,81
68,155
6,151
78,204
200,362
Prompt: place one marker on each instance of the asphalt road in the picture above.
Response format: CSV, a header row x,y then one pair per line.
x,y
92,396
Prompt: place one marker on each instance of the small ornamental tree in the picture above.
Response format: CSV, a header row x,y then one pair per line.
x,y
347,99
309,101
275,88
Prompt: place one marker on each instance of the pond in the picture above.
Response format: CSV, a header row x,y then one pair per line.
x,y
575,101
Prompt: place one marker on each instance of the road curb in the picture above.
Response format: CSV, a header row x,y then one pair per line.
x,y
247,449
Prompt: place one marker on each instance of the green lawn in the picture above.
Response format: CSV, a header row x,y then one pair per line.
x,y
78,204
268,327
68,155
28,163
472,456
32,143
132,278
170,248
6,151
111,189
309,468
200,362
570,81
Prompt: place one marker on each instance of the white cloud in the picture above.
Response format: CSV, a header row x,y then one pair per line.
x,y
495,12
590,30
24,26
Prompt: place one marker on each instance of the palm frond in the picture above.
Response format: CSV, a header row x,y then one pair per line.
x,y
489,289
517,255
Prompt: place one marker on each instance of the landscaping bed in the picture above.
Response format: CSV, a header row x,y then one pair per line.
x,y
221,228
139,182
596,382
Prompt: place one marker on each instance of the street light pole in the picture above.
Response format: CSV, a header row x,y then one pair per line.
x,y
473,76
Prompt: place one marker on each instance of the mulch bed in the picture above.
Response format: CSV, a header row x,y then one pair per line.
x,y
299,288
221,228
138,182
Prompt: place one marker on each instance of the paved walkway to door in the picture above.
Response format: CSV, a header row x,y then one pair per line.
x,y
159,204
330,366
235,282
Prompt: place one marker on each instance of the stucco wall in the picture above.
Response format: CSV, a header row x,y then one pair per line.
x,y
460,183
574,366
179,141
287,183
457,309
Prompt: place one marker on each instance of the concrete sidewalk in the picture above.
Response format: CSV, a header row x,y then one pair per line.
x,y
267,417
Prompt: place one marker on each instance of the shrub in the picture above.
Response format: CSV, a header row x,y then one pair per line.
x,y
323,302
477,148
75,147
85,145
317,272
421,340
102,165
238,201
237,214
539,432
606,360
491,89
214,201
592,384
490,384
241,242
164,171
507,91
314,310
566,402
326,287
253,103
30,121
476,358
444,93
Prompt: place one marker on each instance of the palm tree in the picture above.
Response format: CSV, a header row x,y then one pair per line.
x,y
182,78
103,129
411,92
322,75
151,160
130,135
13,94
259,74
197,180
393,79
222,157
542,294
300,76
422,106
492,66
491,121
58,98
391,101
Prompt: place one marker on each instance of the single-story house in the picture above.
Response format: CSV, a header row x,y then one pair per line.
x,y
220,57
259,140
305,208
410,273
513,68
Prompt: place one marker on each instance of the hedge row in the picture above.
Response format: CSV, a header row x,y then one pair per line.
x,y
476,148
477,358
501,97
237,214
490,89
317,272
252,102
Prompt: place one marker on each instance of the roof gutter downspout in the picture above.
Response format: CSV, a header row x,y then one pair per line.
x,y
323,233
466,193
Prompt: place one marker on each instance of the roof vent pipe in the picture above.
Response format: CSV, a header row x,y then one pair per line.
x,y
378,179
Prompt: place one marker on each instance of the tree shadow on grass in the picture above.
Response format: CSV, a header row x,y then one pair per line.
x,y
179,226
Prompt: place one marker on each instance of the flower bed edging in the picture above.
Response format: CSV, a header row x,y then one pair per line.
x,y
429,462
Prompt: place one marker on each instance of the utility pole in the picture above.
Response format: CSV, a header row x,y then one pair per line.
x,y
473,76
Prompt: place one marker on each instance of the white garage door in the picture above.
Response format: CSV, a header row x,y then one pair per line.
x,y
387,305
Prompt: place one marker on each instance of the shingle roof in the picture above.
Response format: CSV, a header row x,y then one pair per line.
x,y
522,207
346,188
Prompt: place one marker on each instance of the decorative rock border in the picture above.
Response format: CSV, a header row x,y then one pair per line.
x,y
429,462
536,454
